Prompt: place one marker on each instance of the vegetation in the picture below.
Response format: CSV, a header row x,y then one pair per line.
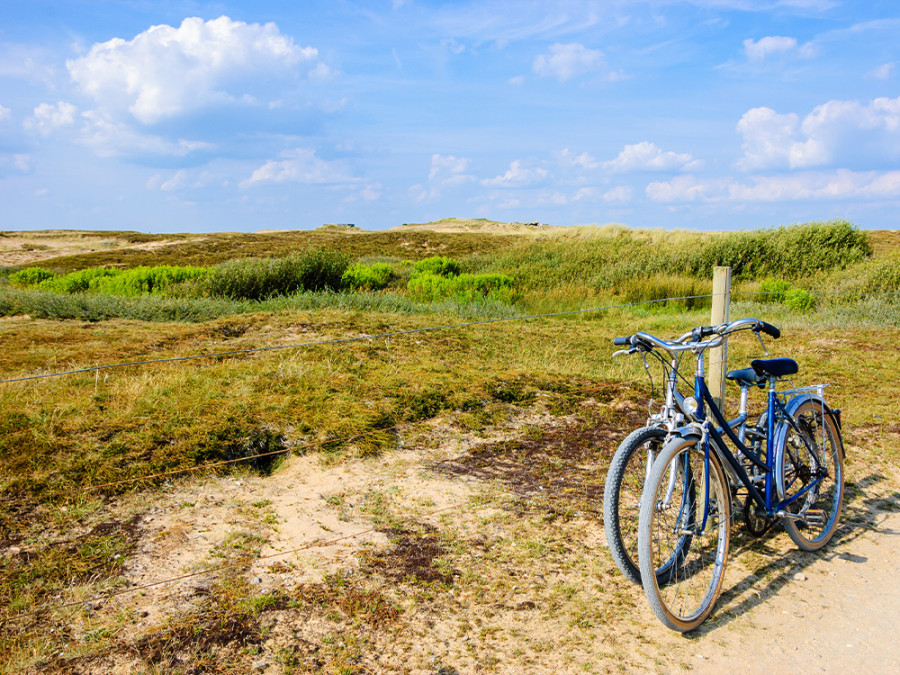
x,y
541,404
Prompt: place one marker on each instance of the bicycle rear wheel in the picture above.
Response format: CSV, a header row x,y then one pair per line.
x,y
668,514
622,496
813,451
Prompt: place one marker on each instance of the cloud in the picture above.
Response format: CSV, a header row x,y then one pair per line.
x,y
165,72
48,117
759,50
15,164
567,61
834,132
882,72
832,185
449,170
568,159
621,193
113,139
518,175
5,113
646,156
300,166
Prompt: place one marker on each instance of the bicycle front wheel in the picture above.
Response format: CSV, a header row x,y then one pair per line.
x,y
809,464
622,496
669,514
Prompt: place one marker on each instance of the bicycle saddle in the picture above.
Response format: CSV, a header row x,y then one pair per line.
x,y
774,367
746,377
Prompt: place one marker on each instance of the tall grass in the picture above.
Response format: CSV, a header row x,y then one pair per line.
x,y
259,279
613,258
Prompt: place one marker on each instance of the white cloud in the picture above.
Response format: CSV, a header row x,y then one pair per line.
x,y
568,159
810,185
774,44
48,117
646,156
622,193
882,72
517,81
837,131
113,139
300,166
517,175
166,71
11,164
449,170
567,61
5,113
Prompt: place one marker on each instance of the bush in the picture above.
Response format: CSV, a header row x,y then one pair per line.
x,y
367,277
258,279
800,300
146,280
76,282
438,265
773,290
777,290
427,287
31,276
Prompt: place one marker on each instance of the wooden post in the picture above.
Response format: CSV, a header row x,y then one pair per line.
x,y
718,357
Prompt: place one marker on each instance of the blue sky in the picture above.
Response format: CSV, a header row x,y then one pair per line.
x,y
187,116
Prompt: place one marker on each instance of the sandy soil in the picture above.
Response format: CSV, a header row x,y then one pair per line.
x,y
28,248
781,610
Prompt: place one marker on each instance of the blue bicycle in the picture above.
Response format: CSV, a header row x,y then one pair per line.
x,y
630,465
695,483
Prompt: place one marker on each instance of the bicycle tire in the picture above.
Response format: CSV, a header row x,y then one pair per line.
x,y
798,463
622,496
684,600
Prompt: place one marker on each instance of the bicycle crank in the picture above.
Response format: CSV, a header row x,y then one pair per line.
x,y
756,521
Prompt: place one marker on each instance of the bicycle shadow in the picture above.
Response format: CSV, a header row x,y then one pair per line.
x,y
864,511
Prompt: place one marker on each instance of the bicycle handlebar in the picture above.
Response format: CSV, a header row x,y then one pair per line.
x,y
694,339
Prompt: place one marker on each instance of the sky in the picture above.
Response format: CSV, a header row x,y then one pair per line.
x,y
189,116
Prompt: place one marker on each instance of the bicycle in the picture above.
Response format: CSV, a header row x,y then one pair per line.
x,y
632,460
694,480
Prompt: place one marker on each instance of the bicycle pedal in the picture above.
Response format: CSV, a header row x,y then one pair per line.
x,y
815,518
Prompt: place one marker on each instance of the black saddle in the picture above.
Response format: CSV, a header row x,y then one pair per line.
x,y
746,377
774,367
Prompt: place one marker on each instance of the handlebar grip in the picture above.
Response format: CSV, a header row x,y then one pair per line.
x,y
622,341
701,332
768,329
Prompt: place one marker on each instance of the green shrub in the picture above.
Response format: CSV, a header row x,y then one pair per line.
x,y
76,282
427,287
475,287
146,280
258,279
773,290
438,265
30,276
367,277
800,300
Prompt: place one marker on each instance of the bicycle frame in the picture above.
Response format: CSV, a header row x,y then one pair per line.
x,y
775,410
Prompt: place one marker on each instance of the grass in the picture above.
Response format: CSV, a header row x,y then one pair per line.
x,y
542,483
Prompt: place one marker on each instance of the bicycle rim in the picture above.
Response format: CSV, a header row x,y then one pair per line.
x,y
622,496
813,451
669,513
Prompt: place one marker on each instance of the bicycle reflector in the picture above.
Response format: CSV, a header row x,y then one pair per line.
x,y
689,405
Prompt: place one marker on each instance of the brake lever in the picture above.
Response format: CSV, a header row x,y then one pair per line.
x,y
759,337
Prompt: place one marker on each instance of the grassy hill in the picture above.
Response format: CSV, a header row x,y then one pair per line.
x,y
508,403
